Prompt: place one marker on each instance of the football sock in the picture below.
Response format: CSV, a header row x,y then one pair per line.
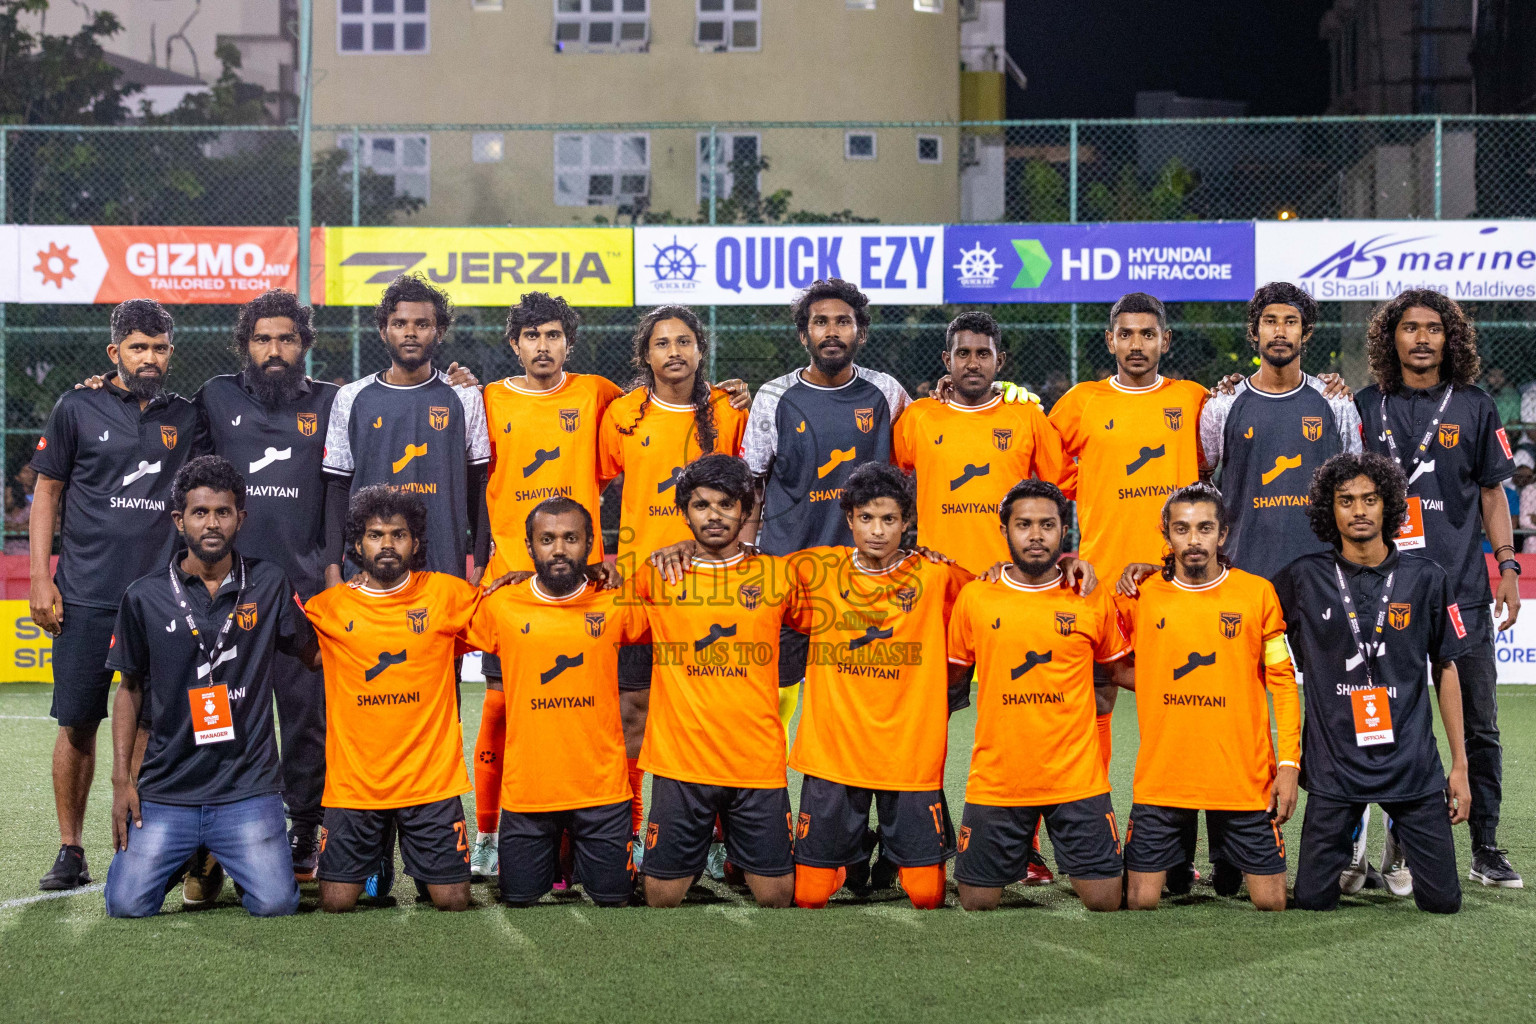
x,y
789,699
636,794
1106,737
814,886
924,886
489,745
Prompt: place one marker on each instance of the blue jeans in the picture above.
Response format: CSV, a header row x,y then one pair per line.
x,y
249,837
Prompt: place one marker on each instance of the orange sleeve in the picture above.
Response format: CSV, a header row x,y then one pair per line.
x,y
1049,460
462,602
1280,680
1066,416
962,648
610,446
799,606
902,443
480,634
635,627
732,426
955,579
607,392
1125,618
1113,641
315,611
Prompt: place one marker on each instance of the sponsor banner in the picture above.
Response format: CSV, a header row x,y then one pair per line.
x,y
483,266
1373,260
77,264
765,266
1177,262
26,652
1514,651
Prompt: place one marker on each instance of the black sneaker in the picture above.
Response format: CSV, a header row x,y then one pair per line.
x,y
883,874
68,871
1181,879
1490,866
858,881
303,842
1226,879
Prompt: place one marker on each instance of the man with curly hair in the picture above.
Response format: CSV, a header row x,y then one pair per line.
x,y
1426,413
1362,619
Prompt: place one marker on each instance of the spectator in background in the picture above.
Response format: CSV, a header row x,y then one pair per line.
x,y
1505,398
924,389
1056,385
18,511
1525,487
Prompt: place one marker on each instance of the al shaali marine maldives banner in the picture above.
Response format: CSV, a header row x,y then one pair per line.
x,y
1177,261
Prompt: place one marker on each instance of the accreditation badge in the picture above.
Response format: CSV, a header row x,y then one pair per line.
x,y
211,719
1373,717
1411,536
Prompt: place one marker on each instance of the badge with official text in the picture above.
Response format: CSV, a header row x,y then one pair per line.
x,y
1373,717
211,720
1411,536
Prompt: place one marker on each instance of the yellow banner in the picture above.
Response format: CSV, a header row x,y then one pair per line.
x,y
26,652
483,266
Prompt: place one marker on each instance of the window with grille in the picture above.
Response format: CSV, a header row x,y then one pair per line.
x,y
407,159
602,168
725,25
859,146
381,26
597,25
733,151
930,149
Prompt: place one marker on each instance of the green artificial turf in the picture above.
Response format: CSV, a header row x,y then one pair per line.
x,y
720,959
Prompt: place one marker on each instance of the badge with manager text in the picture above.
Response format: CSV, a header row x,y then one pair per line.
x,y
1373,717
211,720
1411,536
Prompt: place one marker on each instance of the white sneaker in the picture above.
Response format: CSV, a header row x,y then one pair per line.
x,y
1352,879
485,858
1393,870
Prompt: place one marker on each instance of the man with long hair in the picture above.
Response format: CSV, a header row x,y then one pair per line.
x,y
1426,412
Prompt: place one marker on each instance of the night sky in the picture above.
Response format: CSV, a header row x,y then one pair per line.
x,y
1089,58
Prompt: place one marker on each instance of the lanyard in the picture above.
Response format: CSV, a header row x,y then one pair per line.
x,y
1367,651
1429,434
210,658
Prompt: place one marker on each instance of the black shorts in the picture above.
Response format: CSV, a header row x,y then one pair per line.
x,y
433,842
490,666
634,668
794,648
682,820
915,829
960,691
529,847
1248,840
995,842
81,679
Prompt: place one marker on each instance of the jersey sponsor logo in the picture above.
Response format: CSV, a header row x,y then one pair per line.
x,y
1249,435
939,439
539,458
437,417
386,660
1355,660
1031,659
1311,428
1282,463
104,435
905,596
1162,622
171,628
272,455
526,626
970,473
42,444
1455,612
1146,456
411,452
1002,437
145,469
205,670
417,617
1504,442
1427,466
864,419
671,480
716,632
1065,621
378,421
1198,700
308,423
1174,418
168,436
801,428
349,625
871,634
1196,660
245,616
1231,624
595,622
838,457
749,594
562,662
1450,434
1399,615
570,420
1281,501
997,623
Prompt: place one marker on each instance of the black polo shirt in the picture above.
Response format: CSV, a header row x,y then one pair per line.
x,y
152,641
278,449
1424,623
1469,451
117,464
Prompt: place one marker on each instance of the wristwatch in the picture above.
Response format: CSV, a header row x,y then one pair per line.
x,y
1509,565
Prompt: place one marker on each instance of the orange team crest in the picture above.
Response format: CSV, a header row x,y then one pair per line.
x,y
864,419
437,416
905,596
308,423
245,617
1450,433
418,619
1231,622
1002,437
1312,428
168,436
1174,418
1065,621
570,419
595,624
1399,615
749,594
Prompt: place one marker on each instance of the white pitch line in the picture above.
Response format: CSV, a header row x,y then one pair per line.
x,y
28,718
24,901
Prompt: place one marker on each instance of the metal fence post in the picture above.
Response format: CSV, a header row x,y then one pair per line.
x,y
357,214
1072,216
306,156
714,347
1439,161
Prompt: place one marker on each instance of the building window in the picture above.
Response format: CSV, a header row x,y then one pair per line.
x,y
407,159
859,146
381,26
733,152
928,6
487,147
585,25
602,168
930,149
729,25
485,5
859,5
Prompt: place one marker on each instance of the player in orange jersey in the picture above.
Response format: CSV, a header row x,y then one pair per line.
x,y
875,721
559,636
670,417
1034,642
713,742
1208,641
394,755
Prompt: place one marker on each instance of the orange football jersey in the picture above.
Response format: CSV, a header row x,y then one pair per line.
x,y
1134,447
560,671
876,705
714,715
392,733
543,445
651,455
966,460
1034,648
1200,682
